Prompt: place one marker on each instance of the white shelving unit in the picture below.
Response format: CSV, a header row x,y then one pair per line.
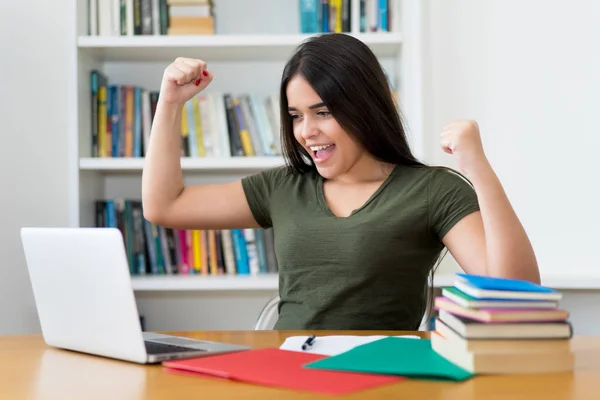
x,y
246,55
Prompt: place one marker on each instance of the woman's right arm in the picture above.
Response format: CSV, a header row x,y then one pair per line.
x,y
166,200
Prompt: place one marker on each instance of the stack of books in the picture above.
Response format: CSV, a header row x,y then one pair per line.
x,y
191,17
489,325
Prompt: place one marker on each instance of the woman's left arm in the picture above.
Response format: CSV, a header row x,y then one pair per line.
x,y
490,242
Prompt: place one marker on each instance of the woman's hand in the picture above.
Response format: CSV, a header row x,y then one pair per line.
x,y
462,139
183,79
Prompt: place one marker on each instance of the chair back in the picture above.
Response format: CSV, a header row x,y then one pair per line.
x,y
268,315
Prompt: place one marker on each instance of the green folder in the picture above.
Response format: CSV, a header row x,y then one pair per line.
x,y
395,356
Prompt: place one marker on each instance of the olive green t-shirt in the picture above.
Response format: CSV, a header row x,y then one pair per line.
x,y
365,271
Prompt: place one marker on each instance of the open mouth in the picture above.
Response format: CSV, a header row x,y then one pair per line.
x,y
322,153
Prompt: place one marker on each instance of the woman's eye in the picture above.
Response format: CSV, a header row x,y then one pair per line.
x,y
323,113
294,116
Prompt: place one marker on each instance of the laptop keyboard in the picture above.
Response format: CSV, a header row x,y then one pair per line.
x,y
161,348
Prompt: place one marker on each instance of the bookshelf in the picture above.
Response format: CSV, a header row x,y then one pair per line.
x,y
253,40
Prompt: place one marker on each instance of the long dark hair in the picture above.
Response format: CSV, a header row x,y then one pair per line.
x,y
350,81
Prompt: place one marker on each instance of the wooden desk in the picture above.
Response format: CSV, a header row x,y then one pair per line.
x,y
31,370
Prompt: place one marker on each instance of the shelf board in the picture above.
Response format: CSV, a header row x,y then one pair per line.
x,y
204,283
212,164
217,47
174,283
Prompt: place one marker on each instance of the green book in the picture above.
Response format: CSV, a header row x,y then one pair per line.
x,y
395,356
463,299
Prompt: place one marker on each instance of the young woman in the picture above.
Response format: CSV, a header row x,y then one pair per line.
x,y
359,223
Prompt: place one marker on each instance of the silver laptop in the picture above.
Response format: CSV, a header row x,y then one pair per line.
x,y
85,302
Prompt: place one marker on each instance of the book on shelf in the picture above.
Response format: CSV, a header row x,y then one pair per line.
x,y
213,124
150,17
323,16
156,250
191,17
489,325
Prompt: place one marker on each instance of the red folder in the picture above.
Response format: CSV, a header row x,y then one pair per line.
x,y
280,368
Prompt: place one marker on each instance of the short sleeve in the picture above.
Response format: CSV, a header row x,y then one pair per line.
x,y
451,198
259,189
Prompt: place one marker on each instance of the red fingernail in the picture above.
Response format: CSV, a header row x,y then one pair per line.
x,y
197,82
204,73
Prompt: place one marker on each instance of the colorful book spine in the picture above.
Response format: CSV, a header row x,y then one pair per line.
x,y
309,16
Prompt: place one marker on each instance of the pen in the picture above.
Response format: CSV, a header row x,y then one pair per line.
x,y
309,342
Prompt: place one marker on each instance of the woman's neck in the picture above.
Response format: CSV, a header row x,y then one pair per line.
x,y
366,170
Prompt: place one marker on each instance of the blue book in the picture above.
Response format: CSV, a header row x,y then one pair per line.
x,y
261,250
137,121
324,16
111,214
309,16
115,98
495,283
383,15
240,251
487,287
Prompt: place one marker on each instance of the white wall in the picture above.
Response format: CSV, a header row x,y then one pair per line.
x,y
34,52
529,73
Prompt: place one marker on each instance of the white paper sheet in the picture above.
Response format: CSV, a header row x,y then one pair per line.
x,y
333,344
